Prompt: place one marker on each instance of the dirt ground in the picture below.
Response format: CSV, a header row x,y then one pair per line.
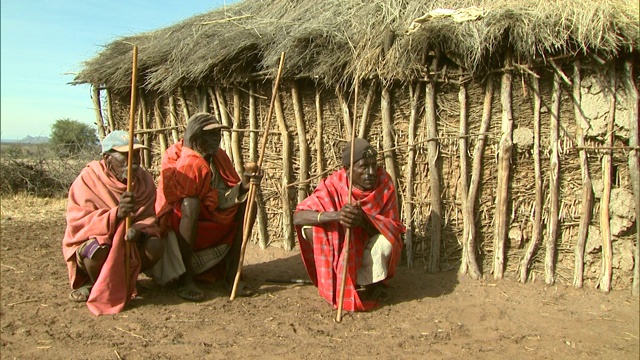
x,y
440,316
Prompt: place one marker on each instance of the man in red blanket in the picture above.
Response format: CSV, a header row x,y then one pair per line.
x,y
200,206
376,230
94,240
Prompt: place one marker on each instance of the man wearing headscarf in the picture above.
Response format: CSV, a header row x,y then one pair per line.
x,y
373,218
94,240
200,205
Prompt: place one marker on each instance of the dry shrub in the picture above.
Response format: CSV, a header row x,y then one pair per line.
x,y
37,170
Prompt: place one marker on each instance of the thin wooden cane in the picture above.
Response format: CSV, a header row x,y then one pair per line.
x,y
132,114
347,234
248,218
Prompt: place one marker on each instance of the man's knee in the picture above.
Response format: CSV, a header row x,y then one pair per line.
x,y
153,249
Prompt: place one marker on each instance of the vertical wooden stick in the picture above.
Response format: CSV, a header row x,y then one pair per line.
x,y
173,116
236,137
132,115
98,110
252,188
185,106
319,132
157,114
434,171
414,95
464,175
347,235
476,177
587,188
303,188
504,166
112,123
224,118
536,231
554,172
634,163
287,212
253,157
371,94
605,225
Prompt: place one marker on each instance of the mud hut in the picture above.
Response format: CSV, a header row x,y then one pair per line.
x,y
510,128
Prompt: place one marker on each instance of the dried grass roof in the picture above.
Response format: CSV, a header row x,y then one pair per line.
x,y
337,40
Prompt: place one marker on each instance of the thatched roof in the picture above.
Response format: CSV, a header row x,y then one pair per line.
x,y
338,40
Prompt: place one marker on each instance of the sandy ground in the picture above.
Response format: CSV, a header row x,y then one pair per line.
x,y
438,316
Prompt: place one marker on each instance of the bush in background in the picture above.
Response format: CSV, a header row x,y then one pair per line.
x,y
40,169
70,137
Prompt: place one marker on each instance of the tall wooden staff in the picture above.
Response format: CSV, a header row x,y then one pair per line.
x,y
248,218
347,235
132,114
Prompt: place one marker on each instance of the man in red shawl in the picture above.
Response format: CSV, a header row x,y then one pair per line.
x,y
94,240
200,206
376,230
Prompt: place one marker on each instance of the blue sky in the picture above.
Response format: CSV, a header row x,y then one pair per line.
x,y
44,42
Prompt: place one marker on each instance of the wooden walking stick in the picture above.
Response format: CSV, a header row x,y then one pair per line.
x,y
248,218
347,234
132,114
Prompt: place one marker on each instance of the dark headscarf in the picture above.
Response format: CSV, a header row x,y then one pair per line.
x,y
361,149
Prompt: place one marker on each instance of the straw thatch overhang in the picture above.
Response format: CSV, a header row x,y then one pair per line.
x,y
508,126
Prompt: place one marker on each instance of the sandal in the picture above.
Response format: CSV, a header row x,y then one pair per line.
x,y
80,294
190,292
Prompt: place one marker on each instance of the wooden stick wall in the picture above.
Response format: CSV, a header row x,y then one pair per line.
x,y
466,222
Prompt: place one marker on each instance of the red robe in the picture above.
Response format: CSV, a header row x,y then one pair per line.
x,y
186,173
91,213
323,259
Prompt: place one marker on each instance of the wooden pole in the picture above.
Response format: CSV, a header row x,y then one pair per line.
x,y
504,167
253,157
346,117
98,109
287,213
607,169
554,173
536,231
464,176
434,172
185,106
144,119
157,115
303,189
252,187
587,188
112,123
132,115
173,116
224,117
236,139
634,164
347,234
319,131
476,176
414,95
371,94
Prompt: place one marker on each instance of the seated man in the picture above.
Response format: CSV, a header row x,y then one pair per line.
x,y
200,206
94,240
374,220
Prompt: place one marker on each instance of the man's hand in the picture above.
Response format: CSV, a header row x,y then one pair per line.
x,y
126,206
252,175
351,216
134,235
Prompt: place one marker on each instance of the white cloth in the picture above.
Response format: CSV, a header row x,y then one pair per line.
x,y
171,266
375,259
